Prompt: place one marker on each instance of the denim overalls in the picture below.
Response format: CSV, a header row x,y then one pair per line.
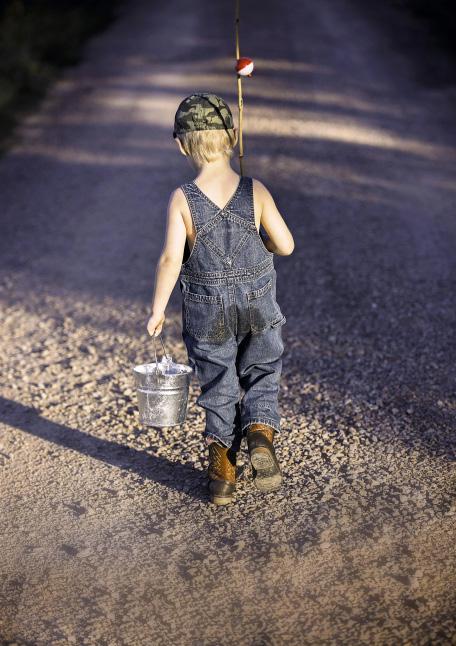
x,y
231,319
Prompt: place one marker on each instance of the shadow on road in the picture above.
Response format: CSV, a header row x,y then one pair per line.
x,y
170,474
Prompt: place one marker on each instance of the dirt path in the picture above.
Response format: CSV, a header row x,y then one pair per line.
x,y
107,536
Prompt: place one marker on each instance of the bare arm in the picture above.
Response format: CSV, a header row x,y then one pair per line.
x,y
169,264
280,240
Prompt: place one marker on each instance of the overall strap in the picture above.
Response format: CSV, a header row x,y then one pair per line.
x,y
194,203
241,207
244,204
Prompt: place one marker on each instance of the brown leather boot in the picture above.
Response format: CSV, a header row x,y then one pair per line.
x,y
266,469
222,473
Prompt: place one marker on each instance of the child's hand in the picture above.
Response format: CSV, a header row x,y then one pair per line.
x,y
155,324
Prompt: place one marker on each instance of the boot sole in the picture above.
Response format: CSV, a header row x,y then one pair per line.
x,y
218,500
267,475
218,493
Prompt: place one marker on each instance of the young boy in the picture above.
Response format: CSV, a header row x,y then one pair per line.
x,y
231,319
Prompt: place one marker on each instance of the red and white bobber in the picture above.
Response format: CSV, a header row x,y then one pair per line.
x,y
244,66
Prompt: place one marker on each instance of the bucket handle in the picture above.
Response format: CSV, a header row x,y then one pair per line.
x,y
157,371
155,349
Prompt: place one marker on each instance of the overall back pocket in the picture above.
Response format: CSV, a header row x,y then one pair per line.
x,y
204,316
264,311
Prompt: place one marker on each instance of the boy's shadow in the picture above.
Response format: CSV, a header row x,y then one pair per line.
x,y
158,469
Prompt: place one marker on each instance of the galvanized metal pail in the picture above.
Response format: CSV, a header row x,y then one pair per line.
x,y
162,390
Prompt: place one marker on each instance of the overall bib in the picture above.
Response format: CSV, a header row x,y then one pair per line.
x,y
232,323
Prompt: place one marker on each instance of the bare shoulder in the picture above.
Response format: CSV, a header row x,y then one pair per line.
x,y
177,197
178,203
262,200
258,187
261,192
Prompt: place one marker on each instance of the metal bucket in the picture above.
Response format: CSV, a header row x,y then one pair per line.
x,y
162,390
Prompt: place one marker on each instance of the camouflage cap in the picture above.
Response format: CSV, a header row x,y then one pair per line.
x,y
202,111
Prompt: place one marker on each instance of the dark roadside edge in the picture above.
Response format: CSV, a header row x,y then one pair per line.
x,y
38,41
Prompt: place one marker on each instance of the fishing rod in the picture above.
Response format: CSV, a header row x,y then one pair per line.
x,y
244,67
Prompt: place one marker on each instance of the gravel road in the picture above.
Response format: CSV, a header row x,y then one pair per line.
x,y
106,531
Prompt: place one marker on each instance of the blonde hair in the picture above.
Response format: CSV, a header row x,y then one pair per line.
x,y
206,145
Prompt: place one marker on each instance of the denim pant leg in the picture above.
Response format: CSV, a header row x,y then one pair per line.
x,y
215,367
259,366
